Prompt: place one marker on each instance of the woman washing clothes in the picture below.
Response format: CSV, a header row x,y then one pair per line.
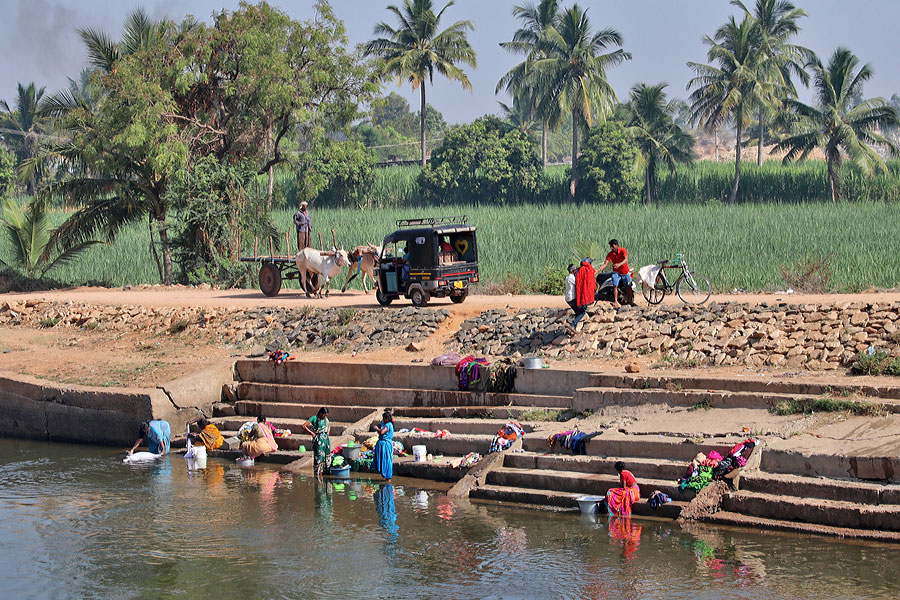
x,y
384,447
620,499
158,435
259,440
318,427
209,435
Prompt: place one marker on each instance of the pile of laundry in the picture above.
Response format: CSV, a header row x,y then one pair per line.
x,y
574,440
470,371
505,436
657,499
440,433
706,468
478,375
469,460
279,356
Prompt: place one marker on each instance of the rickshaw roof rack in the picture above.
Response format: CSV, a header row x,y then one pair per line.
x,y
432,221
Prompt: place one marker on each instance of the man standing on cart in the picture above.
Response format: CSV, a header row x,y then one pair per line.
x,y
618,256
304,226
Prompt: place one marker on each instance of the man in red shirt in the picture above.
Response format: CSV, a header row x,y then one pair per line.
x,y
618,256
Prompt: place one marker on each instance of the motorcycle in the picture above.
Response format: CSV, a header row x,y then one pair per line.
x,y
605,289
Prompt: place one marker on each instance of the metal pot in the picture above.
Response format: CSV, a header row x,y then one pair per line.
x,y
533,362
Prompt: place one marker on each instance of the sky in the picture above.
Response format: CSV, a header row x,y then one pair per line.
x,y
38,39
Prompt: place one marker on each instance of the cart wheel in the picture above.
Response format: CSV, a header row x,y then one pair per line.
x,y
419,298
269,279
459,299
382,299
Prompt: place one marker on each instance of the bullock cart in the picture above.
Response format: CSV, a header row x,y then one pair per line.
x,y
274,269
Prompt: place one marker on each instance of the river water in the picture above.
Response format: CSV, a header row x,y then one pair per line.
x,y
77,523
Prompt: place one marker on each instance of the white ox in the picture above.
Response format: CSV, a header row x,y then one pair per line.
x,y
327,265
363,260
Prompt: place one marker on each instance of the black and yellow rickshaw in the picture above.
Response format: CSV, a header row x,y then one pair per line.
x,y
428,258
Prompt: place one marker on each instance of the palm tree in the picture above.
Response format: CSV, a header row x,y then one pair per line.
x,y
81,93
649,117
28,121
571,65
520,115
416,49
28,233
521,79
777,24
727,90
139,31
839,122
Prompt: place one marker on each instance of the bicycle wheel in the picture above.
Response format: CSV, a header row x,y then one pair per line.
x,y
693,288
655,293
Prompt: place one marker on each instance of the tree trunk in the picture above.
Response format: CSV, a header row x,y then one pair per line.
x,y
573,179
271,175
648,182
544,145
832,185
761,130
716,137
737,159
166,254
422,124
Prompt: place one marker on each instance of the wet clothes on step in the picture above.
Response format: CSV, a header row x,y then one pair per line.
x,y
505,436
657,499
470,370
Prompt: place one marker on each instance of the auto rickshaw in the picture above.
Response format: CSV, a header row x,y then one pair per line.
x,y
428,258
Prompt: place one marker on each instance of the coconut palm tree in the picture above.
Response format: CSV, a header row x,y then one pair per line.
x,y
415,49
28,121
571,63
729,88
520,115
139,31
649,117
839,122
28,234
777,21
521,79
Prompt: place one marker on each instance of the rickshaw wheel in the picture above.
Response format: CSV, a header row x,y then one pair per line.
x,y
419,298
382,299
269,279
459,299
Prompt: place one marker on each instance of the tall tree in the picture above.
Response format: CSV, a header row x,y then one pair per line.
x,y
139,31
839,123
729,88
571,65
415,49
25,117
520,115
649,118
521,81
777,21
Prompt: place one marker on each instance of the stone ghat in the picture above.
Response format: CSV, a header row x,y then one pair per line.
x,y
266,329
812,336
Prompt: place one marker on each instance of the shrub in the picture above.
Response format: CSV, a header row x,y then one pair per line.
x,y
608,166
551,281
878,363
811,273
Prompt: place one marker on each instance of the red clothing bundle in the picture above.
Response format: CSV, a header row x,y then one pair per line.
x,y
585,284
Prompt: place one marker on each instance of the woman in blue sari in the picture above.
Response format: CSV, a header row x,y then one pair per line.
x,y
384,447
158,435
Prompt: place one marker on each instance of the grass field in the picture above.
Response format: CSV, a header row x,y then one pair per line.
x,y
735,247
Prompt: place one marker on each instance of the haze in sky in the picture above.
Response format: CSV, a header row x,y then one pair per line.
x,y
38,41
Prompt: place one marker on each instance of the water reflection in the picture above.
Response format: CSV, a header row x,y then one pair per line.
x,y
79,524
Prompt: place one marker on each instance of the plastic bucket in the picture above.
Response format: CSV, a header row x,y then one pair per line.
x,y
340,471
350,453
589,504
419,453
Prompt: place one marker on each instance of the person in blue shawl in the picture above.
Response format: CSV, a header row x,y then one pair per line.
x,y
384,447
158,435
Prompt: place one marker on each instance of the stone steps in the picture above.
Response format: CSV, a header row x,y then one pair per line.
x,y
456,426
579,483
624,447
642,468
500,413
294,442
724,517
332,395
566,500
834,513
820,488
295,425
287,410
327,373
455,445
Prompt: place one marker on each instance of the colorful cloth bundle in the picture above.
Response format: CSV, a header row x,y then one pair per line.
x,y
469,460
470,370
505,436
279,356
657,499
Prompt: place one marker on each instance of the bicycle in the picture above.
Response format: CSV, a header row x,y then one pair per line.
x,y
691,287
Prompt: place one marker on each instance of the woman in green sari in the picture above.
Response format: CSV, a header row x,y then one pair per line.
x,y
318,427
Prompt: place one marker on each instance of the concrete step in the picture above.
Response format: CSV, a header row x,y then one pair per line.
x,y
289,410
725,517
295,425
559,499
282,457
579,483
601,399
327,373
455,445
457,426
811,510
763,385
821,487
293,442
642,468
501,413
616,445
334,395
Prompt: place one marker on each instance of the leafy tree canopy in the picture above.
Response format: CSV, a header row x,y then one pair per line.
x,y
609,166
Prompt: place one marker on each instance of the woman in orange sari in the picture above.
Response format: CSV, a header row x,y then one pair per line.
x,y
209,435
619,500
259,441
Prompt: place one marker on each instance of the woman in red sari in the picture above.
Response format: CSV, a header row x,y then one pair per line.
x,y
619,500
